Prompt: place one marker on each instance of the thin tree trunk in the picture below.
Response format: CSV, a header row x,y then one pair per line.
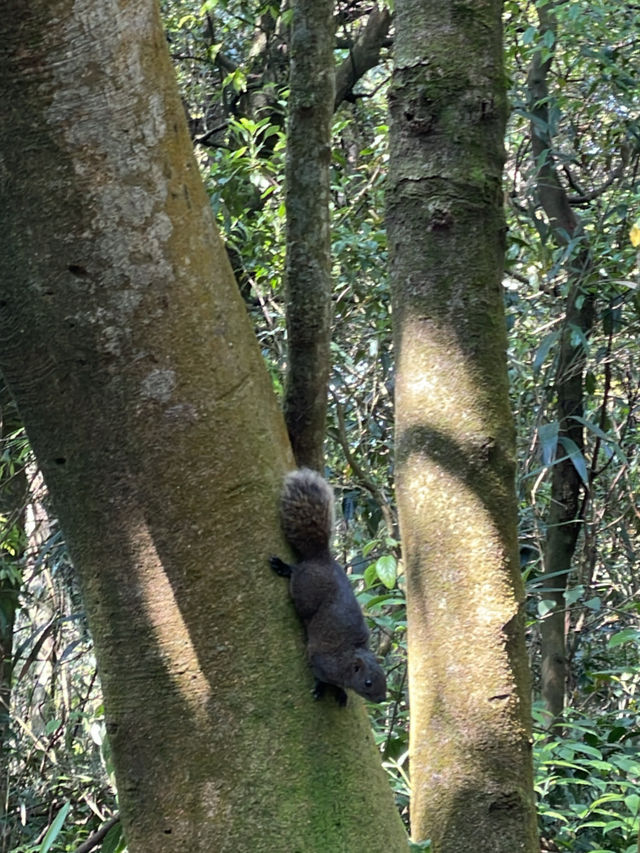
x,y
126,345
308,266
455,459
13,499
563,521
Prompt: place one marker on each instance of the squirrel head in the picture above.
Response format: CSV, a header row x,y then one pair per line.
x,y
367,676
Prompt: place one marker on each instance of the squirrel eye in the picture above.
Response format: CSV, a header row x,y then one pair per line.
x,y
368,682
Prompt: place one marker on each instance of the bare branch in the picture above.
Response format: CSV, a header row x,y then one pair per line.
x,y
364,54
95,839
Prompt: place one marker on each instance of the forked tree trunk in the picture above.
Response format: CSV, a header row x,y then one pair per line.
x,y
126,345
468,675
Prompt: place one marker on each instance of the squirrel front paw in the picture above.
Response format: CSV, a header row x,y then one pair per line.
x,y
280,567
320,689
341,697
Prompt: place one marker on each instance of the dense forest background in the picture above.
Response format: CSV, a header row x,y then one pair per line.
x,y
572,304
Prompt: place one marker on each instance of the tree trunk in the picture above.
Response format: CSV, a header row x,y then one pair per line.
x,y
563,518
563,521
468,677
127,348
308,266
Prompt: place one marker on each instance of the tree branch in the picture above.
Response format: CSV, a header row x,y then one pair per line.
x,y
364,54
95,839
553,197
363,478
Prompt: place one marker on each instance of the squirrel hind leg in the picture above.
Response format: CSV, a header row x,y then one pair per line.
x,y
280,567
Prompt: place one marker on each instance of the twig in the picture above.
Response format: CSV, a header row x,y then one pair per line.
x,y
95,839
365,481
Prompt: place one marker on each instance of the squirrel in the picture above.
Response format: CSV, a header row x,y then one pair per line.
x,y
337,635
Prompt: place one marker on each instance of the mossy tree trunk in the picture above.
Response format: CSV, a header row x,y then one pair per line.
x,y
127,348
308,265
469,684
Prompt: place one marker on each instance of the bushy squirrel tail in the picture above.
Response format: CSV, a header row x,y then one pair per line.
x,y
306,510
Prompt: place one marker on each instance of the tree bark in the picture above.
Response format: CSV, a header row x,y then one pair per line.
x,y
470,744
126,345
308,264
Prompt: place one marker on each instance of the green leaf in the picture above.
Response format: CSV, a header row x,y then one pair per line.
x,y
368,547
573,595
113,840
387,570
370,575
575,454
625,636
548,436
416,846
543,350
617,733
187,19
393,597
587,750
555,815
52,726
578,337
54,829
595,429
545,606
632,802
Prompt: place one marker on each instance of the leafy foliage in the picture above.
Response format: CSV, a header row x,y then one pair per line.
x,y
595,136
55,750
587,775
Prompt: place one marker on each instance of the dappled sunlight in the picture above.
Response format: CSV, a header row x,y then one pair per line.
x,y
445,512
462,613
174,644
461,596
442,489
445,519
434,383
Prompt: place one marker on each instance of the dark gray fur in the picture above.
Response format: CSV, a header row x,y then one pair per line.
x,y
337,635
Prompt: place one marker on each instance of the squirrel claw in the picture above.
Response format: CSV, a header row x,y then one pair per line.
x,y
280,567
318,690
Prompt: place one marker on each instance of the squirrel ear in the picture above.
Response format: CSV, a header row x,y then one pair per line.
x,y
357,663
